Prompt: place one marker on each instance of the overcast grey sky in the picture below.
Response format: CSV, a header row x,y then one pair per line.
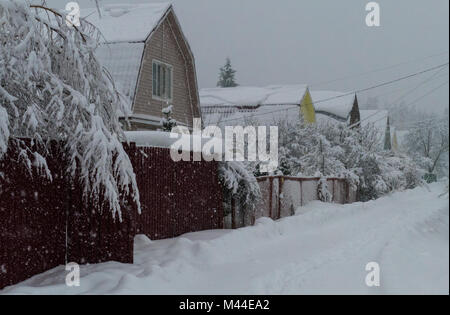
x,y
315,41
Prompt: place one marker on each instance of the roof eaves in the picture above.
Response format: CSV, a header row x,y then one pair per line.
x,y
124,42
190,53
163,17
143,52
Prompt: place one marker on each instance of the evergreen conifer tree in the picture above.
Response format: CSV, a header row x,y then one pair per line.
x,y
227,75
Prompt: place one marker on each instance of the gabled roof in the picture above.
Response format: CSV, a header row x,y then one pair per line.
x,y
127,22
122,60
253,96
335,103
125,28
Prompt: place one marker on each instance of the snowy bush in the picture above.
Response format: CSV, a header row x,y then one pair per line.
x,y
322,191
331,149
167,122
53,88
238,184
384,172
428,143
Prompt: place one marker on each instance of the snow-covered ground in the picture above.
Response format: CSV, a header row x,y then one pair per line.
x,y
324,250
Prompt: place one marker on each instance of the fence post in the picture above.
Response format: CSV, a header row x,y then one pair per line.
x,y
233,213
270,197
301,193
347,192
334,191
280,191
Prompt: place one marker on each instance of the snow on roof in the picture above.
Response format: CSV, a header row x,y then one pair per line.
x,y
122,60
336,103
376,117
127,22
326,119
253,96
125,28
261,116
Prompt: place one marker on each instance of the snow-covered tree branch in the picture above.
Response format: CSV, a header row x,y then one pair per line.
x,y
428,143
53,88
239,184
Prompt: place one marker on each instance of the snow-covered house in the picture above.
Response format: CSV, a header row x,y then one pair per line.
x,y
256,105
336,105
150,60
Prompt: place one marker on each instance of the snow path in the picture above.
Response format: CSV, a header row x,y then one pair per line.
x,y
322,251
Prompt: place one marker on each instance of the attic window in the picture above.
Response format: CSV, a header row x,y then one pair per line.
x,y
162,81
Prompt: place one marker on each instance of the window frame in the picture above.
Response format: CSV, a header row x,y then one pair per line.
x,y
155,84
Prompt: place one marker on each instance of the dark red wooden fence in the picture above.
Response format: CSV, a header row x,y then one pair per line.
x,y
44,224
176,197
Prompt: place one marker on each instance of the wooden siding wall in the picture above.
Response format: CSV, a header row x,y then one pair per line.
x,y
167,45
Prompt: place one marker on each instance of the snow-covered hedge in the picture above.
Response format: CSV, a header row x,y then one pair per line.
x,y
428,144
53,88
383,172
331,149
